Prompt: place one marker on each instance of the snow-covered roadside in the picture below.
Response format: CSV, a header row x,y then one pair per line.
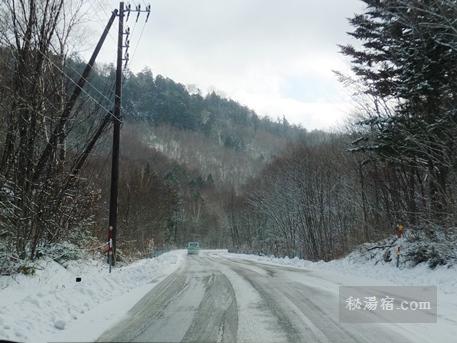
x,y
444,277
52,306
355,270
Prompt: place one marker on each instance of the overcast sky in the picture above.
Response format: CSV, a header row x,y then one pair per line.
x,y
275,56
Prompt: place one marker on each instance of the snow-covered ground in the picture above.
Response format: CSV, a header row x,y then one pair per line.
x,y
353,266
356,270
52,306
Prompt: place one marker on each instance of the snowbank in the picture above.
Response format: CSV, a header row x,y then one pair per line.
x,y
357,270
52,306
427,257
444,277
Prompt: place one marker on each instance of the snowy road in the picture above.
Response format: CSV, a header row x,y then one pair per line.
x,y
216,299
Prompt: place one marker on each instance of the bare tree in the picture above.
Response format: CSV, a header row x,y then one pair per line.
x,y
38,200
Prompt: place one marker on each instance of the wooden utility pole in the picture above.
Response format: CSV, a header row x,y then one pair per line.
x,y
121,57
116,133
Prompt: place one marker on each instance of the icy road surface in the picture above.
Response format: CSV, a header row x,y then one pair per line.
x,y
211,298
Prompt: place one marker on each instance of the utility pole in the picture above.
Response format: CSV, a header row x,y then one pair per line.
x,y
116,134
121,57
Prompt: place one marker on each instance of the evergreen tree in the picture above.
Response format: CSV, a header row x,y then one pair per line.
x,y
407,62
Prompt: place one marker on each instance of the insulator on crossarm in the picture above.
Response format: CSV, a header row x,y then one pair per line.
x,y
138,9
126,58
128,12
148,9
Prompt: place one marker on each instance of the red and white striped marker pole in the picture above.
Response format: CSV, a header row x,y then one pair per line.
x,y
110,247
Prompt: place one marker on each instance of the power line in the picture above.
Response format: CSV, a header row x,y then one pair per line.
x,y
75,83
124,73
47,103
90,83
105,12
101,6
95,88
139,39
29,79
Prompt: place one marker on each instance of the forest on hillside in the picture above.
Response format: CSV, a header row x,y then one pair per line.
x,y
395,164
202,167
